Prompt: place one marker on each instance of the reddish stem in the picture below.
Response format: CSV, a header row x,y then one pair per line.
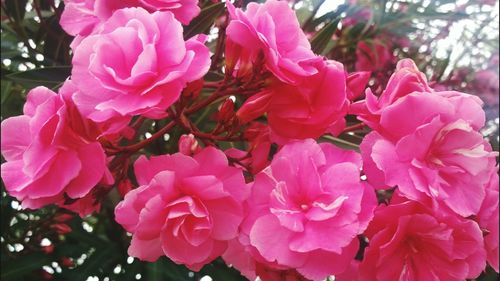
x,y
354,127
135,147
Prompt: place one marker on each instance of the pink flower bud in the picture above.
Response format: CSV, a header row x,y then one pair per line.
x,y
61,228
188,145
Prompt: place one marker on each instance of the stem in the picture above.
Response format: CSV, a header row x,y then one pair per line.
x,y
354,127
135,147
214,138
213,85
215,96
219,50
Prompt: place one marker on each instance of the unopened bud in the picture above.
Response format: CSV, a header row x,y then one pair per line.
x,y
254,107
226,111
48,249
67,262
193,89
188,145
62,217
61,228
45,275
124,187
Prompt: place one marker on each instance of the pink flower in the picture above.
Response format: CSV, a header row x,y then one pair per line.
x,y
80,17
487,86
488,219
373,55
405,80
238,256
186,208
51,152
306,210
268,34
411,242
487,80
363,14
122,70
307,110
428,145
351,274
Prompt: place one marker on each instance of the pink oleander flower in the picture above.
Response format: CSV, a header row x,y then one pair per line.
x,y
81,17
486,84
308,110
373,55
409,242
364,14
268,34
137,63
405,80
186,208
52,153
428,145
239,257
488,220
351,274
306,210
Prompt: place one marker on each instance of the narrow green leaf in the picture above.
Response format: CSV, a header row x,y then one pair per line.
x,y
6,86
166,270
203,22
341,143
324,36
102,260
16,8
49,76
16,269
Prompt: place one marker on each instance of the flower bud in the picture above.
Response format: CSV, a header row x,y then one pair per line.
x,y
356,84
254,107
61,228
124,187
226,111
193,89
67,262
63,217
188,145
48,249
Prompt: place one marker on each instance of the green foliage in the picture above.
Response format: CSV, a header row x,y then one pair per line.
x,y
204,21
38,54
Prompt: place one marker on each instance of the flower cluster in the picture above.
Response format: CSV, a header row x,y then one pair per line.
x,y
283,203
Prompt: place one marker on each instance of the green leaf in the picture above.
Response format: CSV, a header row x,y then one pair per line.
x,y
214,76
16,269
49,76
98,263
6,86
330,16
218,270
203,22
324,36
341,143
164,269
16,9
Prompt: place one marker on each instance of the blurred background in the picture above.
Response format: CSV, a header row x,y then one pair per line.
x,y
455,43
